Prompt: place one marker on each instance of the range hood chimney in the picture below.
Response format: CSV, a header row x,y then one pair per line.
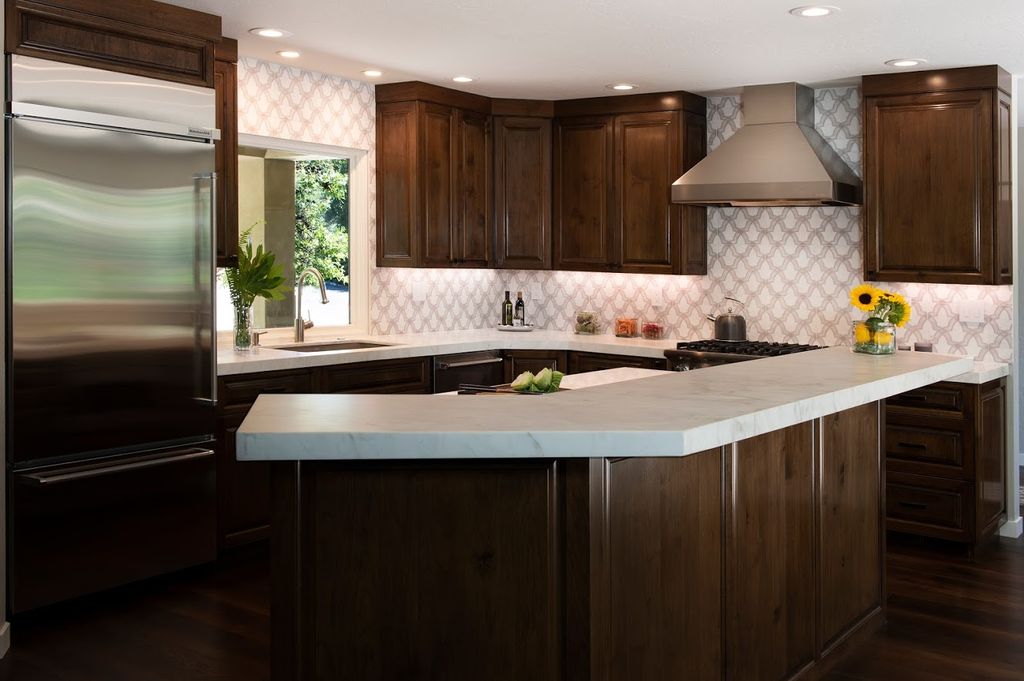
x,y
776,159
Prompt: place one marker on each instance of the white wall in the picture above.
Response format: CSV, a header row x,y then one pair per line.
x,y
1014,524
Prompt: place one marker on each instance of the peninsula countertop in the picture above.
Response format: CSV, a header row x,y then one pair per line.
x,y
400,346
670,414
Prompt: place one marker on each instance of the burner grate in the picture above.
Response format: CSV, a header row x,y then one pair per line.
x,y
749,348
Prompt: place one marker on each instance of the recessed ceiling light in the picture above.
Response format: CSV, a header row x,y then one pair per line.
x,y
812,11
905,62
621,86
269,32
289,54
373,73
462,79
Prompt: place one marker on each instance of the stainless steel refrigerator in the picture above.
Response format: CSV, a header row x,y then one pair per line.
x,y
110,340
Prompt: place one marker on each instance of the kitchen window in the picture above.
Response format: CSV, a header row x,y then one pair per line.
x,y
307,204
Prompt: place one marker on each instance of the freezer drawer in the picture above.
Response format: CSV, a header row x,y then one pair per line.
x,y
78,529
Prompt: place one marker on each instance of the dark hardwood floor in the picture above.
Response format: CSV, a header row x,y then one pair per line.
x,y
207,624
949,619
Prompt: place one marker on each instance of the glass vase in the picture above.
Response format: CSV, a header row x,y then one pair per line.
x,y
874,337
243,328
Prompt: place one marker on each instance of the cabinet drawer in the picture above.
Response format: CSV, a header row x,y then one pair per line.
x,y
928,451
928,506
239,392
583,362
947,398
394,376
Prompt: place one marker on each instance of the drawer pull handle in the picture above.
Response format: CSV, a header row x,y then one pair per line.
x,y
913,504
912,445
915,398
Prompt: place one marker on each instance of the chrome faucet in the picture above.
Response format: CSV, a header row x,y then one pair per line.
x,y
300,323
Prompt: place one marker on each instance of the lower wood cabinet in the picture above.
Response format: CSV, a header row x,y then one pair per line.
x,y
518,361
243,487
759,560
582,362
945,460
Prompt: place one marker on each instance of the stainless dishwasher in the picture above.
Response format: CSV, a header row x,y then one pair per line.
x,y
479,368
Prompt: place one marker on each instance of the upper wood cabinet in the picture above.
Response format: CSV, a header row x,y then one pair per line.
x,y
142,37
581,184
226,85
522,192
433,178
612,186
583,193
937,194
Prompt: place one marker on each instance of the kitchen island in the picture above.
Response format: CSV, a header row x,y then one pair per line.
x,y
673,526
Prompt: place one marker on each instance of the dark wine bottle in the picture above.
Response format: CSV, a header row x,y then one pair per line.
x,y
506,311
519,316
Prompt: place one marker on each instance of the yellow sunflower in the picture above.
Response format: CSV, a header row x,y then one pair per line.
x,y
864,297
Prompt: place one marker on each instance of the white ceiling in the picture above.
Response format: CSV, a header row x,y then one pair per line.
x,y
571,48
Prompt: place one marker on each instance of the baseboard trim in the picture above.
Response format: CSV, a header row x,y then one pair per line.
x,y
1012,528
5,638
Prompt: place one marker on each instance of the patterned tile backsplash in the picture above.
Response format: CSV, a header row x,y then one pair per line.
x,y
792,267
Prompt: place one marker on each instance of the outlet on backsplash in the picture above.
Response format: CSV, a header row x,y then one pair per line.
x,y
419,291
971,311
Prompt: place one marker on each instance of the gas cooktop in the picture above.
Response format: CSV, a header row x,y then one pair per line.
x,y
706,353
751,348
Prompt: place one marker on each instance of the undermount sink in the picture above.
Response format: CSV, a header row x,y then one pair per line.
x,y
332,345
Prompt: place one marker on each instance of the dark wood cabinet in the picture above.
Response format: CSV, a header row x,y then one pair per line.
x,y
522,192
937,198
614,168
225,82
141,37
518,361
434,206
582,362
583,193
946,461
762,559
243,487
585,184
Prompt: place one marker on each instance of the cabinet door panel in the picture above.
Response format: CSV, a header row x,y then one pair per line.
x,y
851,550
397,190
658,573
647,161
1004,190
226,84
583,193
769,524
929,204
437,139
474,193
522,192
518,361
990,453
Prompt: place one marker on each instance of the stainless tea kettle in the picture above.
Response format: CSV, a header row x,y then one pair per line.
x,y
729,326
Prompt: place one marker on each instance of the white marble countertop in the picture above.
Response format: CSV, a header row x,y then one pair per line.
x,y
401,346
667,414
983,372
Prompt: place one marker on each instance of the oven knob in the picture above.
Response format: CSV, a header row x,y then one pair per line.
x,y
683,366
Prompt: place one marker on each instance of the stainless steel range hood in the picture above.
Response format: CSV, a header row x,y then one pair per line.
x,y
776,159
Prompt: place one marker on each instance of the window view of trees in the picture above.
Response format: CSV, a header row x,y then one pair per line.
x,y
321,218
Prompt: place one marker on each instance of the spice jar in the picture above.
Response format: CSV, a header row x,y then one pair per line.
x,y
627,327
652,329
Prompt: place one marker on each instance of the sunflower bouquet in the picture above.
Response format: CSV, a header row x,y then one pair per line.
x,y
886,310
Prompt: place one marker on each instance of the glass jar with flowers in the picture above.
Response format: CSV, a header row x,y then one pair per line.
x,y
886,310
256,275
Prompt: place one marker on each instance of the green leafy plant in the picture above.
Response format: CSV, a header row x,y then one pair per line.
x,y
257,274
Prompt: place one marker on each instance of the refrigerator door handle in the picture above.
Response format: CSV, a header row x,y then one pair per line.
x,y
204,245
84,473
100,121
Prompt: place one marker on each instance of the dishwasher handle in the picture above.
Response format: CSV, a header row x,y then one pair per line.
x,y
469,363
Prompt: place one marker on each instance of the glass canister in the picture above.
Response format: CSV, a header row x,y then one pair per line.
x,y
652,328
627,327
586,322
